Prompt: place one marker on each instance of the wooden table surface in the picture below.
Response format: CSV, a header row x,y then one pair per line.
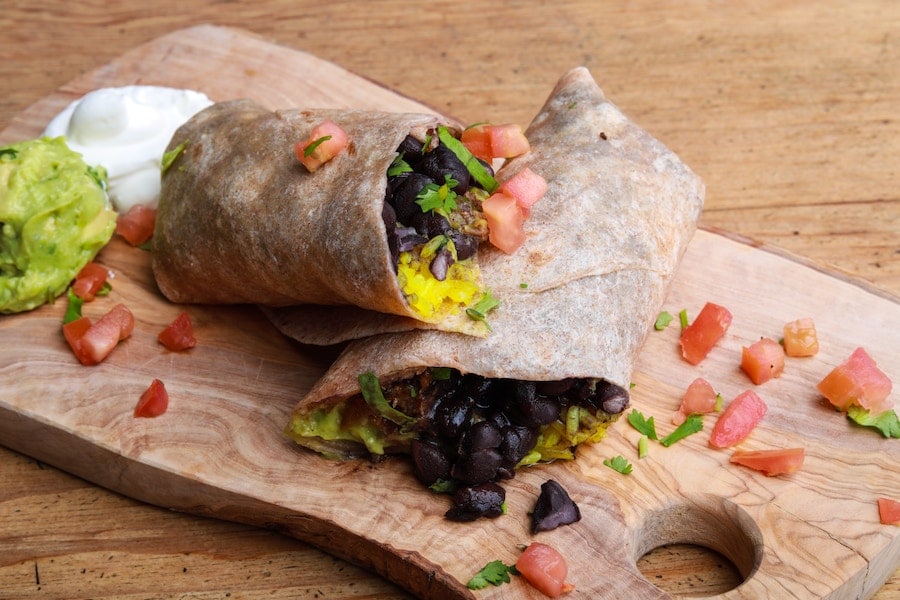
x,y
788,110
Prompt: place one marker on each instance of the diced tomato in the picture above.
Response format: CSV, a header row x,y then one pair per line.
x,y
699,398
704,333
527,187
800,338
89,281
762,360
505,222
154,401
858,380
508,140
179,335
326,141
91,343
771,462
738,420
889,511
478,140
545,569
136,225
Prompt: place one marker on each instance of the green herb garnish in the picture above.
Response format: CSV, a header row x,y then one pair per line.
x,y
493,573
523,286
719,401
371,392
683,317
73,310
311,147
473,165
644,425
663,320
443,486
399,167
619,463
643,446
691,425
483,307
440,198
887,422
169,157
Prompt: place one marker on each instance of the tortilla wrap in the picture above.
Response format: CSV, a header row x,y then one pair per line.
x,y
240,220
579,297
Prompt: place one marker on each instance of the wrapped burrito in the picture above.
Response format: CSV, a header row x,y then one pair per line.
x,y
578,299
241,220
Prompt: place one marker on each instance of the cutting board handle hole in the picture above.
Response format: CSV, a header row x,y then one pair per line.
x,y
710,534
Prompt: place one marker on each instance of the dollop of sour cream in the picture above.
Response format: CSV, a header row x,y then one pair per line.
x,y
126,130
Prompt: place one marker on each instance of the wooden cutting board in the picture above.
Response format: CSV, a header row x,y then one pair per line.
x,y
219,451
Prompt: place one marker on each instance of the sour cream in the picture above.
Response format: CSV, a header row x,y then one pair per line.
x,y
126,130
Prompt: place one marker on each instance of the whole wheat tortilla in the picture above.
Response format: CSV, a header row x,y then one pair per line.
x,y
579,297
240,220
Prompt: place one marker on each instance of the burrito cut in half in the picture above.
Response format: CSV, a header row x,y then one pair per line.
x,y
241,220
578,299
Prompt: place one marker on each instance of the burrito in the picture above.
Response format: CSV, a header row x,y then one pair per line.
x,y
578,299
391,225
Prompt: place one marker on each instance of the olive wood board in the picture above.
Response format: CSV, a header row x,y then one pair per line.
x,y
219,450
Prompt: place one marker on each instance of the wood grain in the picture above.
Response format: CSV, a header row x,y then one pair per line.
x,y
849,48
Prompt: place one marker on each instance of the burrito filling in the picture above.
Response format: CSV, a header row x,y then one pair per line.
x,y
464,431
432,213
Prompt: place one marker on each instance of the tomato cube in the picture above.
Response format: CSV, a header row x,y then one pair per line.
x,y
800,338
762,360
89,281
699,338
326,141
740,417
505,222
507,141
771,462
889,511
478,140
527,187
154,401
92,343
857,380
699,398
545,569
136,226
179,335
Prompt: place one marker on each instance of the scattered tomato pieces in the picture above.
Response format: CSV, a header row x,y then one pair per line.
x,y
545,569
89,281
154,401
699,398
527,187
762,360
92,343
179,335
488,142
505,222
136,226
858,381
699,338
738,420
771,462
326,141
800,338
889,511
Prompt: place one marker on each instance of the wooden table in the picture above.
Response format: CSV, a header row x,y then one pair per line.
x,y
787,110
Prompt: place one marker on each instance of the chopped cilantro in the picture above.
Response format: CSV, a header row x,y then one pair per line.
x,y
311,147
523,285
493,573
440,198
371,392
399,167
73,310
683,317
887,422
644,425
663,320
691,425
169,157
475,168
618,463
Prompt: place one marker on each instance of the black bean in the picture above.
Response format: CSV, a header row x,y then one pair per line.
x,y
407,238
553,509
450,414
411,149
466,245
430,462
390,225
440,162
612,398
530,409
479,436
440,264
478,467
517,442
430,223
470,503
404,197
555,388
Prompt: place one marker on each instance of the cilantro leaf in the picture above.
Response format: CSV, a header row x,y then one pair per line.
x,y
619,463
643,424
887,422
663,320
494,573
441,198
691,425
371,392
399,167
73,310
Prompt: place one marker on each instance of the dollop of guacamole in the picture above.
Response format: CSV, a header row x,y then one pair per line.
x,y
55,216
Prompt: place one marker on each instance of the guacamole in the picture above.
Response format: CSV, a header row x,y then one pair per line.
x,y
55,216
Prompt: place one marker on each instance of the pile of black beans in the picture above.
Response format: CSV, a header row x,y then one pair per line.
x,y
407,225
475,430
